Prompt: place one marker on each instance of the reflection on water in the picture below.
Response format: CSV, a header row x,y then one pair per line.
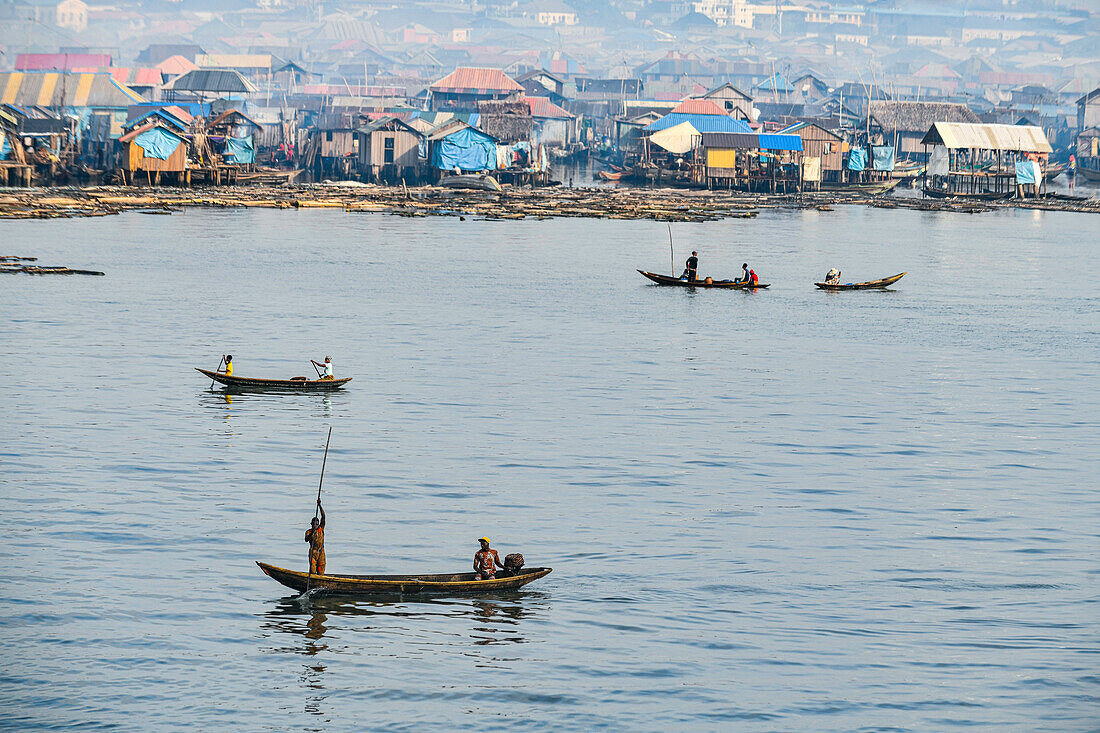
x,y
494,620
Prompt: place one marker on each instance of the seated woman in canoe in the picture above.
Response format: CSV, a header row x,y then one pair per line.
x,y
832,277
326,372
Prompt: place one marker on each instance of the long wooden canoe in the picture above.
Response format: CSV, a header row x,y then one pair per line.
x,y
728,284
294,385
869,285
433,584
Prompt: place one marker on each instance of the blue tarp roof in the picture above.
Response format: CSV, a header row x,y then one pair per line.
x,y
702,123
752,141
777,82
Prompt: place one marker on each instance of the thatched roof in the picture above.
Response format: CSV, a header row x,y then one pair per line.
x,y
508,122
918,116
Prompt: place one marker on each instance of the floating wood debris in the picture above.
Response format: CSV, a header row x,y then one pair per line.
x,y
12,264
659,204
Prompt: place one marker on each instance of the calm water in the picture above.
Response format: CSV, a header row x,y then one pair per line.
x,y
784,510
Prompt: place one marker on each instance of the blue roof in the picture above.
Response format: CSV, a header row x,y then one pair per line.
x,y
780,142
777,83
702,123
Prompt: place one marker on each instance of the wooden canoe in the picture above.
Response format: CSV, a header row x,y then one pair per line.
x,y
869,285
434,584
291,385
675,281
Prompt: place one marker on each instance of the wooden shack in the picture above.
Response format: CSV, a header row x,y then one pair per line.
x,y
752,162
391,151
155,149
821,145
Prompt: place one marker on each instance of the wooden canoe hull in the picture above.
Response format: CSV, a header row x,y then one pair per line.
x,y
677,282
289,385
869,285
432,584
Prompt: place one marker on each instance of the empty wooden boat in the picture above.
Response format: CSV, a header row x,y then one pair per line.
x,y
289,385
706,283
431,584
869,285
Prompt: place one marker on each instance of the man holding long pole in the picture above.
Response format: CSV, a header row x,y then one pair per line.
x,y
315,535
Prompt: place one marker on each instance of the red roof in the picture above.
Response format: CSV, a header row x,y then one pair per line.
x,y
134,133
61,61
468,79
543,107
698,107
136,76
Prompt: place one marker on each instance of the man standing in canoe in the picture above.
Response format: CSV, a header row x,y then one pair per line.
x,y
486,561
691,267
315,536
327,373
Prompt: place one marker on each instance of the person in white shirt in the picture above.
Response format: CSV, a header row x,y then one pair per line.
x,y
832,277
326,372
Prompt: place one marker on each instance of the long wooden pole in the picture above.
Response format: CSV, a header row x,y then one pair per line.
x,y
671,252
309,575
217,370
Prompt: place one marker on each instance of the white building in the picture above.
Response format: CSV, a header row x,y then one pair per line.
x,y
726,12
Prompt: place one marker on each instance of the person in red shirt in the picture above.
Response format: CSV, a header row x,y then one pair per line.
x,y
486,561
753,279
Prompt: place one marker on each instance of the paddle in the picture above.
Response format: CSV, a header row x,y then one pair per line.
x,y
671,252
309,576
315,369
218,369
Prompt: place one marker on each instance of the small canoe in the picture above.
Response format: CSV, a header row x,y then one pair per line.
x,y
471,181
675,281
292,385
869,285
436,584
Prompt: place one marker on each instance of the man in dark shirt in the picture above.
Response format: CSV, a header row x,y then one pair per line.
x,y
692,265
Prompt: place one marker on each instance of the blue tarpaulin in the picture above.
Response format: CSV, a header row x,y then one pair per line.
x,y
857,159
158,143
882,158
776,141
5,146
240,149
468,150
1027,171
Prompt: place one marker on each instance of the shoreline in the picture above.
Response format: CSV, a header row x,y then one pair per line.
x,y
660,204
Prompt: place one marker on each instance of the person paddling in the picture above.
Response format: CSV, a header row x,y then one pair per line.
x,y
315,536
326,373
486,561
691,267
228,365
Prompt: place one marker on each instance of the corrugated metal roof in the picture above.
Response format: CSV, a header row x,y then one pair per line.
x,y
702,123
61,61
469,79
176,65
698,107
752,141
64,89
543,107
1018,138
233,60
212,80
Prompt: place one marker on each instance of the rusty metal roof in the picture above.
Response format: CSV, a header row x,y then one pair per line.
x,y
543,107
698,107
469,79
1016,138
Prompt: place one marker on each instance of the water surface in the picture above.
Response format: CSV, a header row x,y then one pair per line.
x,y
782,510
